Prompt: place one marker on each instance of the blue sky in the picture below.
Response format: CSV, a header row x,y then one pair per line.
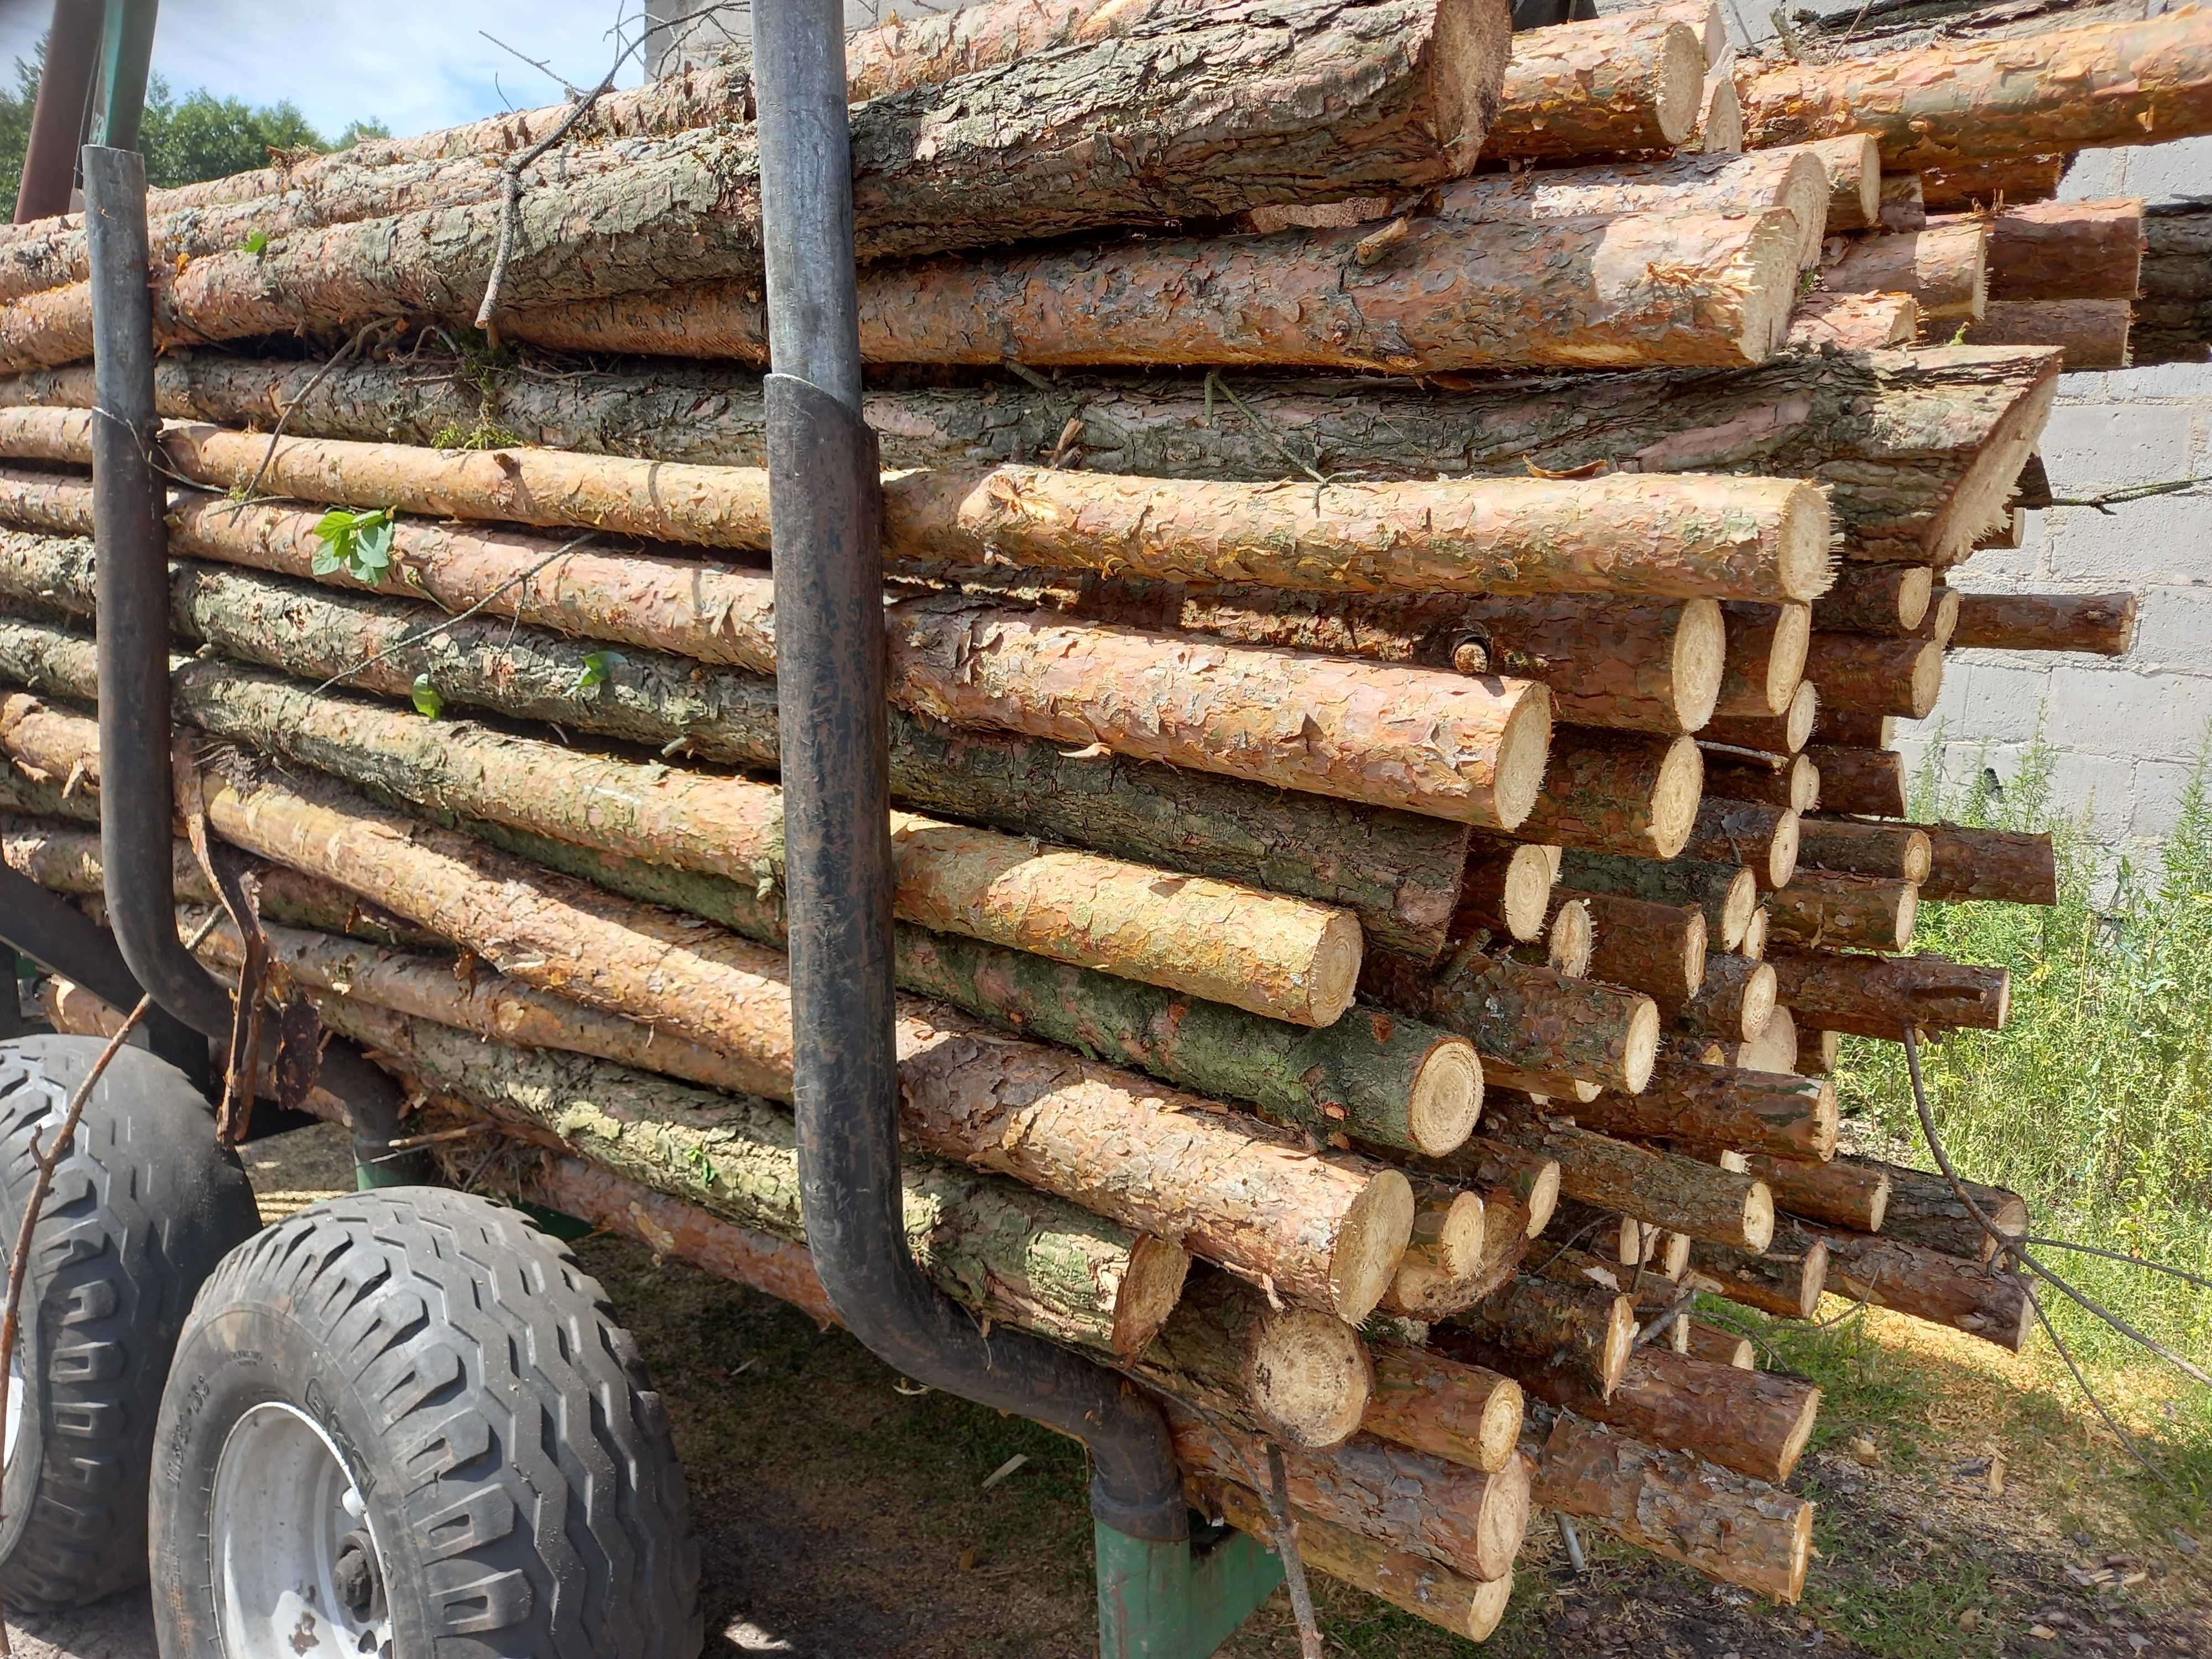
x,y
413,65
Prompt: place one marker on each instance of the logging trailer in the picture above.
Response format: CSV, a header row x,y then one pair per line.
x,y
269,1496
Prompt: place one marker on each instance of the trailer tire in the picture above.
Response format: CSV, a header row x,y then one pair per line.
x,y
139,1214
496,1476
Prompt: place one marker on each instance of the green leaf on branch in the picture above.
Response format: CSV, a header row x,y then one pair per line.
x,y
424,695
598,668
257,241
359,544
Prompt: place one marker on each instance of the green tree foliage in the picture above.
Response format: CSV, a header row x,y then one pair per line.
x,y
184,139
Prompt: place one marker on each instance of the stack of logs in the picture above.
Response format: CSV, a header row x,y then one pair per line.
x,y
1384,858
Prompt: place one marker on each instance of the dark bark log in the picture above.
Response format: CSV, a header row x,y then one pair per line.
x,y
2010,867
1506,890
1781,780
2173,318
1988,186
2066,251
1944,267
2092,333
1767,646
1609,792
1994,1303
1657,948
1678,1193
1531,1018
1786,1280
1877,673
1533,1326
1843,1191
1897,851
1865,783
1721,1106
1733,1003
1755,1423
2103,624
1840,912
1904,203
1462,1413
1782,734
1746,833
1717,1346
1877,996
1924,1209
1726,893
1876,599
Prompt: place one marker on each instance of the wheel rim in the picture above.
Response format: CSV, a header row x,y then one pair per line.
x,y
298,1574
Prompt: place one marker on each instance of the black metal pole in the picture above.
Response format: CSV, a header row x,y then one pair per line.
x,y
825,521
63,939
58,118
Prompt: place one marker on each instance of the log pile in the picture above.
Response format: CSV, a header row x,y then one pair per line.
x,y
1383,862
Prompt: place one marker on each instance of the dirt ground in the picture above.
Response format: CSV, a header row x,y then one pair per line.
x,y
844,1514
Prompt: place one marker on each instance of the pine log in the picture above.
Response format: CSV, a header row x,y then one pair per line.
x,y
1820,909
1610,792
1460,1517
1753,833
1735,1001
1848,727
2092,333
1430,1591
1854,166
1790,782
2103,624
1920,448
2173,318
1658,1301
1944,267
1605,1234
1720,125
1817,1051
1992,1303
1755,1423
1506,890
1015,1108
1877,673
1534,1326
1766,646
1785,1280
1904,207
1780,734
1843,1191
1674,1504
1300,1377
1621,292
1924,1210
1008,154
1878,996
1993,184
1900,852
2066,251
1823,322
1520,1190
1726,893
1864,782
1531,1018
1459,1412
1570,938
1943,619
1003,1249
1721,1106
1445,1247
2011,866
1657,948
2126,82
1612,86
1876,599
1679,1193
1717,1346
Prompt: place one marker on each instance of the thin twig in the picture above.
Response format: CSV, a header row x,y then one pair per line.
x,y
2082,1383
1287,1547
2198,1279
459,616
537,63
2105,502
348,350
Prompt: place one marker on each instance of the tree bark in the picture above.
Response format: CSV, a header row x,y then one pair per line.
x,y
1865,782
1462,1413
1614,85
1298,1377
1534,1326
1854,168
1460,1517
1629,291
1994,1303
1531,1018
1734,1002
1681,1195
1847,726
1904,207
1877,673
2066,251
1876,599
1779,734
1519,1189
1945,267
1755,1423
1611,792
2173,318
1720,1106
1820,908
1506,890
1991,185
1843,1191
1676,1504
1430,1591
1767,646
2103,624
2092,333
1717,1346
1924,1210
1751,834
1789,782
1785,1280
1726,893
1822,322
1877,996
1004,1250
2127,82
2011,866
1657,948
1896,852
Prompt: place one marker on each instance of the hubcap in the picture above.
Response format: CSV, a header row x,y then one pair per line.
x,y
297,1571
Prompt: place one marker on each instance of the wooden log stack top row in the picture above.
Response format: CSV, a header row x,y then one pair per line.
x,y
1400,572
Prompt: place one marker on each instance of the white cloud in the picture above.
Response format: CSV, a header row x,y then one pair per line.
x,y
413,65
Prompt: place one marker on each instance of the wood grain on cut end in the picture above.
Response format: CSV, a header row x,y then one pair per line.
x,y
1151,1287
1529,872
1640,1049
1569,938
1521,749
1758,1217
1775,1049
1876,599
1774,734
1445,1100
1368,1242
1333,977
1467,72
1853,164
1675,797
1309,1378
1804,562
1697,660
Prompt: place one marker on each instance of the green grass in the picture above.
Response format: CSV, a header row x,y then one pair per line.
x,y
2096,1100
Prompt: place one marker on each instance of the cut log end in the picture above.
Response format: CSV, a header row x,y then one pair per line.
x,y
1445,1100
1785,656
1150,1289
1640,1048
1522,747
1369,1244
1781,852
1310,1378
1542,1202
1529,871
1699,662
1473,41
1507,1497
1458,1234
1569,939
1760,996
1675,796
1804,565
1758,1219
1498,1428
1333,978
1620,1329
1719,1347
1678,84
